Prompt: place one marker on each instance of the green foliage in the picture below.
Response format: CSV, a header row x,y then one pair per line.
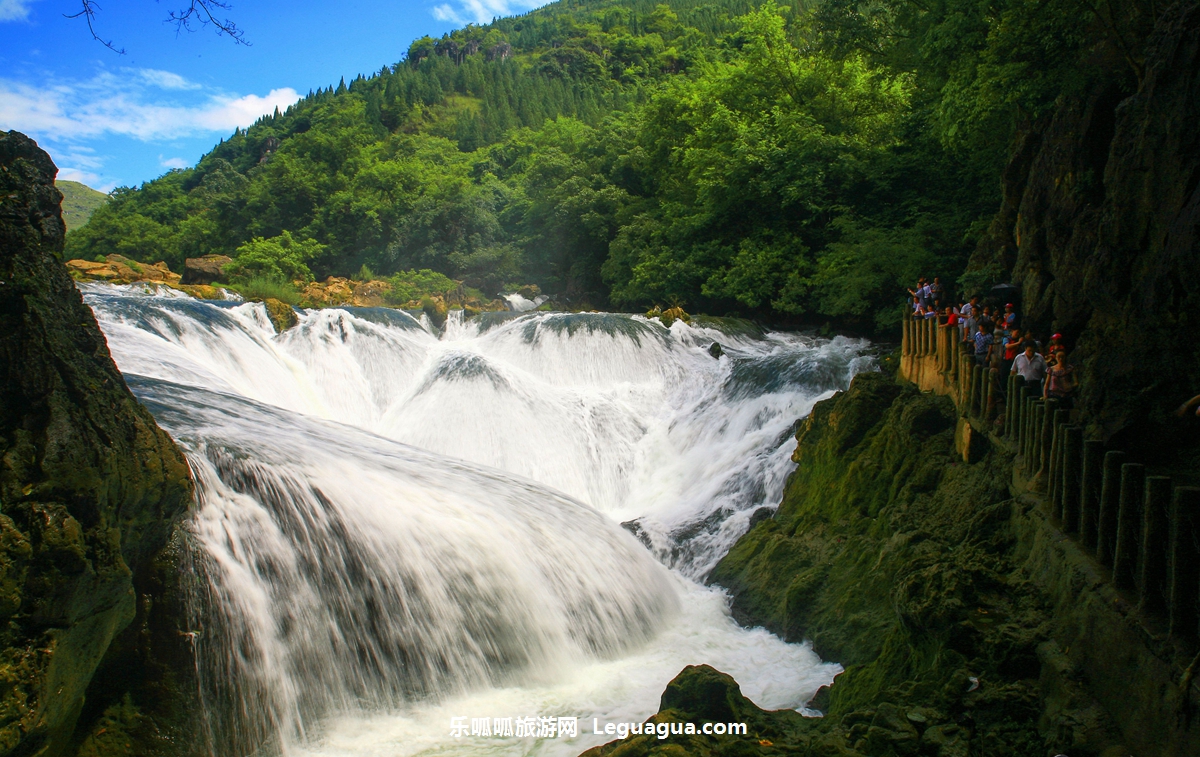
x,y
79,202
410,286
280,258
754,159
263,288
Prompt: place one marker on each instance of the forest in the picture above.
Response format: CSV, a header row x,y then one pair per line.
x,y
796,163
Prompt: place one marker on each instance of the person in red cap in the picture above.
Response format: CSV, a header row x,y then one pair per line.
x,y
1056,342
1010,317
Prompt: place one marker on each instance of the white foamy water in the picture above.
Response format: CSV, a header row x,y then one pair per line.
x,y
396,529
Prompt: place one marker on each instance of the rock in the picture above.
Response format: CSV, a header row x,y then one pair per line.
x,y
282,315
1100,230
715,350
945,741
206,269
118,269
91,487
202,291
701,694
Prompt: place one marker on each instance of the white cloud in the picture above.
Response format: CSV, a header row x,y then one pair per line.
x,y
162,79
83,177
441,12
14,10
482,11
173,162
109,104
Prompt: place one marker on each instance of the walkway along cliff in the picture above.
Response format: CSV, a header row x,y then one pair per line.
x,y
1027,587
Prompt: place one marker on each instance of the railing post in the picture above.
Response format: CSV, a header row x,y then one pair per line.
x,y
1054,461
948,332
1019,417
976,388
1089,494
905,335
1040,418
1010,399
1052,420
1129,524
1110,495
1072,461
981,407
1023,437
992,380
1152,576
1032,429
1185,560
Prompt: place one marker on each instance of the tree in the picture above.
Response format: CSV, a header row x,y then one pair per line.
x,y
197,13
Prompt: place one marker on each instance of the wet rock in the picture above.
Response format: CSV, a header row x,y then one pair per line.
x,y
715,350
945,741
206,269
282,315
91,487
118,269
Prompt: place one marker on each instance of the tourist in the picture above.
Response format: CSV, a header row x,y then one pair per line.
x,y
1013,346
1010,316
997,351
983,344
1056,341
969,326
1031,367
1060,380
935,293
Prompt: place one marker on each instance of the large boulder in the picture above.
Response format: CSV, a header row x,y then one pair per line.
x,y
118,269
90,487
205,269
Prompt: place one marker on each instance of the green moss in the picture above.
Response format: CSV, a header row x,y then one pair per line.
x,y
896,559
91,488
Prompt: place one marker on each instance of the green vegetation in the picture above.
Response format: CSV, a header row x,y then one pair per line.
x,y
799,161
408,286
78,203
280,258
903,563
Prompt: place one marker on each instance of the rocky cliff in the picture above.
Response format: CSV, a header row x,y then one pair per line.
x,y
1101,230
90,492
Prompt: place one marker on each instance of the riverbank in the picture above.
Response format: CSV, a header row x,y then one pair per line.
x,y
967,620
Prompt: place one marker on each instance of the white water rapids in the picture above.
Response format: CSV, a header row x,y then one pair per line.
x,y
396,527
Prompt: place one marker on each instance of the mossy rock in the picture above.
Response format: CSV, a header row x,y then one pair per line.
x,y
91,487
282,315
896,559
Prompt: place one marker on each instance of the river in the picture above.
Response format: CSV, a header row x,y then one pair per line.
x,y
509,517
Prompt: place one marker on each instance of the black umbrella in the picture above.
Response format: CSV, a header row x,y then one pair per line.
x,y
1006,293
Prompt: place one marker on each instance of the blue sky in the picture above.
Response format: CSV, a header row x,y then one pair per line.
x,y
110,120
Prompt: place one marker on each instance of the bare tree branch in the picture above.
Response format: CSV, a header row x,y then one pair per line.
x,y
200,13
196,14
89,13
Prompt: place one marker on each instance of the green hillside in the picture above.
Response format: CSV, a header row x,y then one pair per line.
x,y
79,202
786,162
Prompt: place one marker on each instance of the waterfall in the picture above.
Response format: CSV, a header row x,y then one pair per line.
x,y
394,522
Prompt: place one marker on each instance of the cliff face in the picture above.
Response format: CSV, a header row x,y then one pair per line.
x,y
1100,230
90,487
898,561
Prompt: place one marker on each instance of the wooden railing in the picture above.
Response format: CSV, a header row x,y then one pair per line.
x,y
1142,529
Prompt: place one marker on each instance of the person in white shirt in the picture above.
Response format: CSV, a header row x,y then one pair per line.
x,y
1030,366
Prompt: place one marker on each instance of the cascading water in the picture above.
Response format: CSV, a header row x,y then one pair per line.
x,y
381,535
